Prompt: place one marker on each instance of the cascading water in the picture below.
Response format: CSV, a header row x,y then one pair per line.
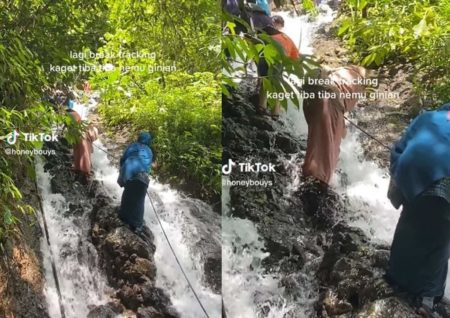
x,y
362,182
365,186
183,230
242,271
260,294
81,283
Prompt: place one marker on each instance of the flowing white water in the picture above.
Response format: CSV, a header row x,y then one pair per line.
x,y
183,230
361,181
242,271
259,294
81,284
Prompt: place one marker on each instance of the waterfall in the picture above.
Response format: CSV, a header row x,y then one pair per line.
x,y
361,181
188,222
181,227
260,294
81,283
242,271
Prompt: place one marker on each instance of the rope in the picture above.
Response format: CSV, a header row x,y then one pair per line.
x,y
168,242
55,275
176,258
366,133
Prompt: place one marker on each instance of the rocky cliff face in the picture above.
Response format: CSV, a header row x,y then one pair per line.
x,y
128,262
302,225
21,271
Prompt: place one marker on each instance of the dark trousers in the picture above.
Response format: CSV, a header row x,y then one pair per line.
x,y
421,247
133,204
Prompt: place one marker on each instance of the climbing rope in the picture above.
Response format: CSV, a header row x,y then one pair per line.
x,y
168,242
176,258
366,133
52,260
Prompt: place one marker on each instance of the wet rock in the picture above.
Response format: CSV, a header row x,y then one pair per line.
x,y
303,229
390,307
443,308
106,217
263,123
229,111
321,204
116,306
122,241
334,306
147,300
127,259
139,269
263,138
149,312
103,311
380,258
60,183
286,144
76,209
154,296
130,297
213,273
352,270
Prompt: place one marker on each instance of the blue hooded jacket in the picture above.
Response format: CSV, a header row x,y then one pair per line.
x,y
136,159
263,4
422,156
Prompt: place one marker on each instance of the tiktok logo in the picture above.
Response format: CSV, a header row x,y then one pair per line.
x,y
226,169
12,137
247,167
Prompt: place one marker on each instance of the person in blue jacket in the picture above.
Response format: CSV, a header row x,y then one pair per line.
x,y
264,4
135,166
420,174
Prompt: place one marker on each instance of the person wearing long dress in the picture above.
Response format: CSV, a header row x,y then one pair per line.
x,y
82,150
82,153
325,120
420,175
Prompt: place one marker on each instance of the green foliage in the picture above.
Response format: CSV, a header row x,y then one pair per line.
x,y
307,5
180,106
381,31
33,35
184,117
13,167
238,51
36,34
